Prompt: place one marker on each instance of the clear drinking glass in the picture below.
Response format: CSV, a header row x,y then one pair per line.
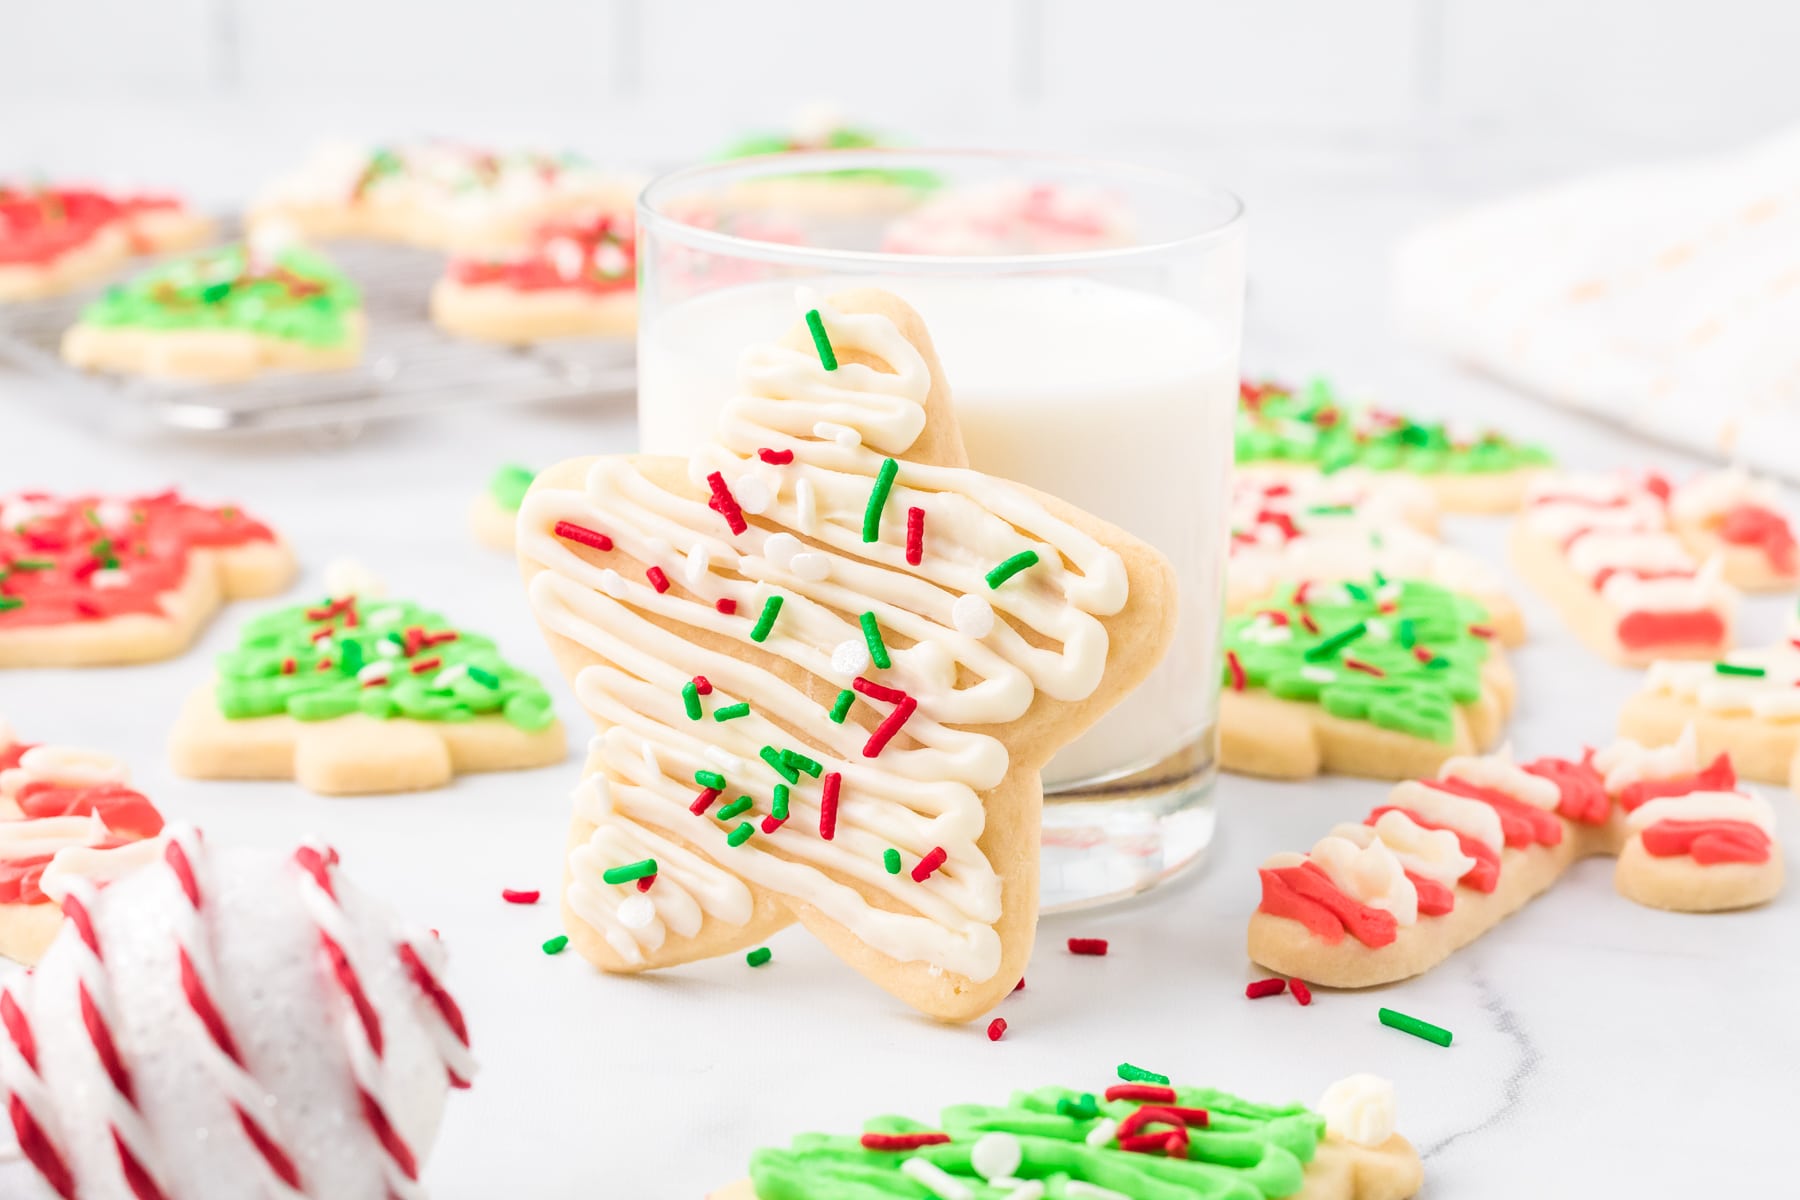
x,y
1088,317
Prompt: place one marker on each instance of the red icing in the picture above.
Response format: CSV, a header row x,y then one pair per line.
x,y
151,553
1523,824
1606,573
608,260
1764,528
1708,842
124,812
1718,776
1642,630
1306,894
40,225
1434,898
1583,788
1484,876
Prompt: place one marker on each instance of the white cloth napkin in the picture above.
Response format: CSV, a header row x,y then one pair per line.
x,y
1666,298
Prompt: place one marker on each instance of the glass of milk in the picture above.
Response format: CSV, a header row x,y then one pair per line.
x,y
1087,316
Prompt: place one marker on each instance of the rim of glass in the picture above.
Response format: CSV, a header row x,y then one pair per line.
x,y
651,217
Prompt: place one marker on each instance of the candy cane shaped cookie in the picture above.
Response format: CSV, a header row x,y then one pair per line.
x,y
1446,859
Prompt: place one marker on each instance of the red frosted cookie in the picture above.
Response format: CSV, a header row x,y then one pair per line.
x,y
578,278
53,240
94,580
63,811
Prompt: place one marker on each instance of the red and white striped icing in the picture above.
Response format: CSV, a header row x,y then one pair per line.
x,y
230,1024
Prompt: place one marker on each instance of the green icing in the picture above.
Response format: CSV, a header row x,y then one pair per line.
x,y
470,680
509,484
1412,695
301,298
1246,1152
1314,425
843,138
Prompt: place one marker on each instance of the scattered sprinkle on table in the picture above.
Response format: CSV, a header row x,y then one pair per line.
x,y
556,945
1419,1029
996,1029
1019,986
1259,988
1092,947
514,896
1302,993
1134,1074
758,956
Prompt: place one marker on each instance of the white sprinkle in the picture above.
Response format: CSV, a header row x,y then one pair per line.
x,y
1076,1189
393,614
698,563
1102,1133
724,759
972,615
1318,674
850,657
110,577
1378,629
612,583
808,517
810,566
843,435
780,549
996,1155
387,649
753,495
936,1180
374,671
650,759
566,257
450,675
112,513
636,912
610,261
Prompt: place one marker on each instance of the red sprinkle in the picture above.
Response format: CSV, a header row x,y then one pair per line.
x,y
323,632
1481,631
725,504
915,536
703,685
1265,987
996,1029
324,664
1310,625
427,664
902,1141
775,458
1094,947
1236,667
884,732
1301,590
1422,654
828,804
770,824
1144,1093
581,533
513,896
1019,986
646,883
657,579
1302,993
726,605
927,866
1357,664
703,801
876,691
288,666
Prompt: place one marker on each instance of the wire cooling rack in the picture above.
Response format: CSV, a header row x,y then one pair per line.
x,y
409,365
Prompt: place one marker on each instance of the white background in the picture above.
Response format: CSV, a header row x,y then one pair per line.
x,y
1601,1049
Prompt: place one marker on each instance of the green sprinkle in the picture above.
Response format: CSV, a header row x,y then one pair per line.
x,y
1011,567
740,805
509,485
778,808
630,871
1414,1026
212,293
766,621
741,834
8,603
690,699
33,564
781,767
890,859
556,945
1725,668
92,517
842,708
1337,641
884,482
1131,1074
732,711
1328,510
486,679
1405,633
878,652
711,779
758,956
800,762
1083,1107
827,357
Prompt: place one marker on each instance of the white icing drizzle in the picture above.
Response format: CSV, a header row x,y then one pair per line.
x,y
1704,589
1499,772
1460,813
1711,494
1637,551
1771,696
1360,1109
1626,762
1428,853
1370,874
923,790
1705,806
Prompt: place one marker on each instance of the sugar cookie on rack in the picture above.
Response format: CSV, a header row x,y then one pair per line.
x,y
827,661
576,278
54,240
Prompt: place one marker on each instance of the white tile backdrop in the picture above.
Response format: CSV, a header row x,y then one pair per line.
x,y
211,94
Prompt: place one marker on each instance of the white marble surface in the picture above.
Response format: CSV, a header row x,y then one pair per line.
x,y
1600,1048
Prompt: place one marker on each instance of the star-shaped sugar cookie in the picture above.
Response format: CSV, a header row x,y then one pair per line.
x,y
827,661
